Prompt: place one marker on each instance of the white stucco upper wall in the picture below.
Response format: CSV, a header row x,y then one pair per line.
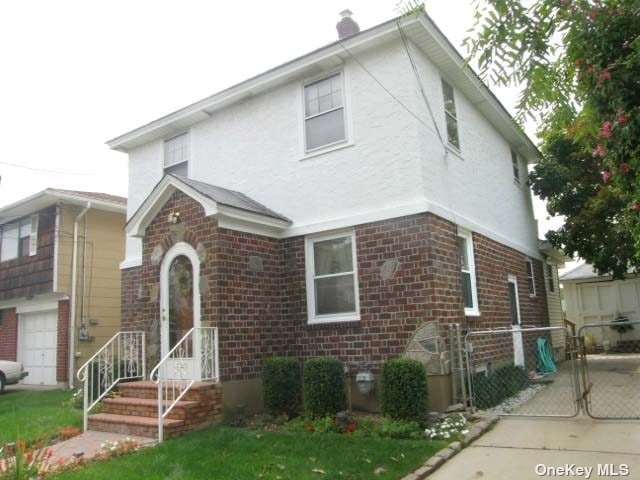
x,y
393,166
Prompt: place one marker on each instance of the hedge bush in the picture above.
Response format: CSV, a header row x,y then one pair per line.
x,y
404,390
324,393
491,389
282,386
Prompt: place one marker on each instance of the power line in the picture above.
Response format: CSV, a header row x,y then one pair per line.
x,y
34,169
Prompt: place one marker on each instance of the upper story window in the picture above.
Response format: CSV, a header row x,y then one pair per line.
x,y
451,117
324,116
19,239
332,278
516,166
176,155
530,277
550,279
468,273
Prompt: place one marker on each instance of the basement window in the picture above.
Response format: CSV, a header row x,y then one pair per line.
x,y
332,278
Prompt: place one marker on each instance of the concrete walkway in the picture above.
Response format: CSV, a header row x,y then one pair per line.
x,y
90,444
514,448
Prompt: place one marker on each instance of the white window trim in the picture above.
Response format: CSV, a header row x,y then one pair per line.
x,y
468,236
346,106
513,279
533,278
187,161
456,149
310,280
516,157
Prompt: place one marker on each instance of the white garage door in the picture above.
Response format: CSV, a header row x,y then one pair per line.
x,y
38,341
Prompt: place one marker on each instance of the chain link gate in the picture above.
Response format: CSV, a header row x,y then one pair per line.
x,y
513,371
610,369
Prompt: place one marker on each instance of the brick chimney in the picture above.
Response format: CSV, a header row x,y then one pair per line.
x,y
347,26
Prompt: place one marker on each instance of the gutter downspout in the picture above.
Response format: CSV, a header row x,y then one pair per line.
x,y
74,289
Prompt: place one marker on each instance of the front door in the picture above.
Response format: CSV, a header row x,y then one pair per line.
x,y
514,310
180,312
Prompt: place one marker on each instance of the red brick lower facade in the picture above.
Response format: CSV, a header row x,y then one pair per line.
x,y
254,289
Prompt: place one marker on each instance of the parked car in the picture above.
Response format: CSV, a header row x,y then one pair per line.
x,y
10,373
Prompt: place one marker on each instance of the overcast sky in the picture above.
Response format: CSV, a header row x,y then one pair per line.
x,y
77,73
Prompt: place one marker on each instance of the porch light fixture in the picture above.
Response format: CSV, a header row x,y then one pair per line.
x,y
173,218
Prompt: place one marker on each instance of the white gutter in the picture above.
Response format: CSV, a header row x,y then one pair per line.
x,y
74,289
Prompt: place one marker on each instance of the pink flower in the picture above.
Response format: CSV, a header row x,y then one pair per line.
x,y
635,206
590,69
624,168
605,129
593,14
599,151
622,117
604,75
606,176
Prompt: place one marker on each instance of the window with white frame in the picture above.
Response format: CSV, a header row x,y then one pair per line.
x,y
324,115
550,277
332,278
516,166
451,117
530,277
467,273
19,239
176,155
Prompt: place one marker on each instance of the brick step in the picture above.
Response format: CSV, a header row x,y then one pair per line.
x,y
134,425
147,407
149,390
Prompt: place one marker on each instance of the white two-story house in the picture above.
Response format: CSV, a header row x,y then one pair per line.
x,y
331,206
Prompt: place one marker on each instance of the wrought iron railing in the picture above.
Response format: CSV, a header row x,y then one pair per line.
x,y
121,358
193,358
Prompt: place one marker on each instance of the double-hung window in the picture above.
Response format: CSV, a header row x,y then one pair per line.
x,y
19,239
176,155
324,115
530,277
516,166
450,115
467,273
550,279
332,278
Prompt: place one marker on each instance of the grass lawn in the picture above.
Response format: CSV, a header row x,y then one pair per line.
x,y
236,454
33,415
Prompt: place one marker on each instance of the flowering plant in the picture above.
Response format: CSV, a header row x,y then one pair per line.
x,y
17,462
449,428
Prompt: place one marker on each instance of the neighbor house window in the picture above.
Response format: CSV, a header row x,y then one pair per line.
x,y
324,116
467,273
19,239
451,117
332,278
550,277
530,277
176,155
515,166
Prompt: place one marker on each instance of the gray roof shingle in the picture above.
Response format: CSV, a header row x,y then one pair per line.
x,y
230,198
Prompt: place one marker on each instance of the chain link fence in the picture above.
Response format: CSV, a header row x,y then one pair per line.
x,y
610,369
515,372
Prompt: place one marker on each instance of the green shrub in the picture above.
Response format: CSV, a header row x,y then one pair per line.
x,y
491,389
400,429
404,390
324,393
282,386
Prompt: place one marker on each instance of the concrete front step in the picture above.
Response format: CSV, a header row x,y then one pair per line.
x,y
134,425
147,407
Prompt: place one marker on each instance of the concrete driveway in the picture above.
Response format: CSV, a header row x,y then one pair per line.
x,y
516,446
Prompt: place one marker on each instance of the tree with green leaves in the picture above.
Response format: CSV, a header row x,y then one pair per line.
x,y
577,63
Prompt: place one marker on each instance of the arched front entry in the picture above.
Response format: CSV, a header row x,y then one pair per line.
x,y
180,305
